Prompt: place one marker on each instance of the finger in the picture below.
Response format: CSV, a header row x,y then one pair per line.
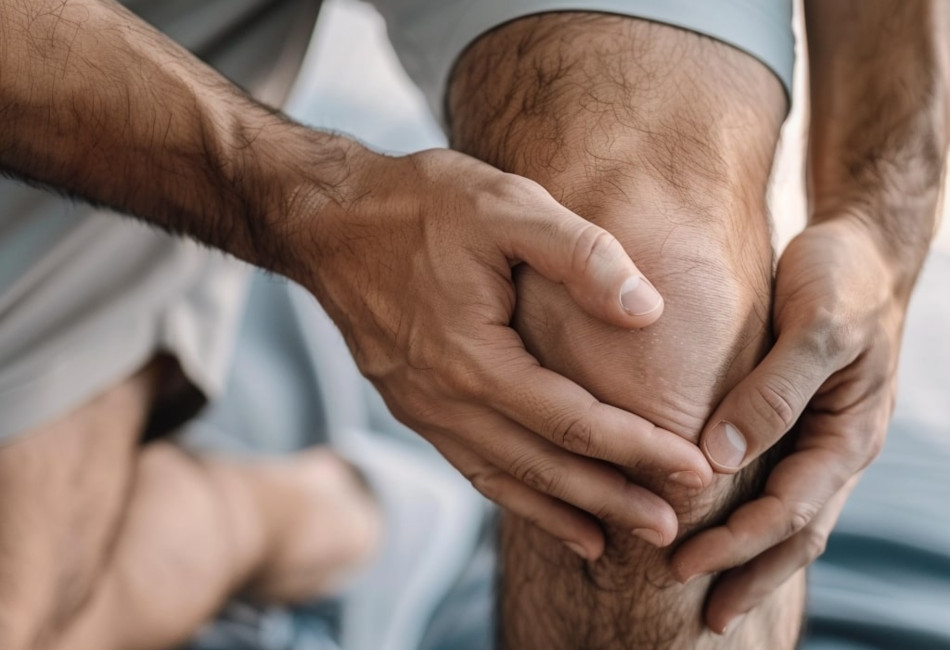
x,y
763,407
832,449
592,486
740,590
797,489
575,529
588,261
565,414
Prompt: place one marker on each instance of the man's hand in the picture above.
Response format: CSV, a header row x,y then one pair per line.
x,y
838,315
418,275
411,256
877,144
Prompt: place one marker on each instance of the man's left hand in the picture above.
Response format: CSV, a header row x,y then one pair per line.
x,y
838,315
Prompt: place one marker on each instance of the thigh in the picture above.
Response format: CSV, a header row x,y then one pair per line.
x,y
63,495
432,36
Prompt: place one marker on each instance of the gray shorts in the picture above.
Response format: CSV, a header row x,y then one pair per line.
x,y
87,298
429,35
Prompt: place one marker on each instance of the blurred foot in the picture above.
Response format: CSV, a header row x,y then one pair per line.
x,y
326,526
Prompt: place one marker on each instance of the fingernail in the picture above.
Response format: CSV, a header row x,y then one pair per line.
x,y
577,548
687,479
638,296
649,536
725,445
731,625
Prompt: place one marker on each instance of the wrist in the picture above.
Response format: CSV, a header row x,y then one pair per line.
x,y
291,177
900,234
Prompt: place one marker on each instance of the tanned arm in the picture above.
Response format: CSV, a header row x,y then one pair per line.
x,y
96,103
665,138
411,256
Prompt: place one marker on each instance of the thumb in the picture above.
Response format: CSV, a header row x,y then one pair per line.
x,y
765,405
590,262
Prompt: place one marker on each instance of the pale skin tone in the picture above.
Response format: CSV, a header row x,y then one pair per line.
x,y
108,545
643,145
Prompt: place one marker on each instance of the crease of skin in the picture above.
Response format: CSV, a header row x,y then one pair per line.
x,y
665,139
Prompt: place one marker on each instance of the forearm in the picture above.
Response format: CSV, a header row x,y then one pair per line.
x,y
880,118
98,104
670,152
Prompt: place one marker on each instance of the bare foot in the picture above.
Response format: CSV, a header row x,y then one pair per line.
x,y
325,525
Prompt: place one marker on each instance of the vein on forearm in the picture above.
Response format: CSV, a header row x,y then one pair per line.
x,y
98,105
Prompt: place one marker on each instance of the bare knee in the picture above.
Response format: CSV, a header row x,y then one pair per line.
x,y
604,112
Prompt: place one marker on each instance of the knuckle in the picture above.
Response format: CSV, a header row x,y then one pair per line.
x,y
511,190
489,483
590,244
610,511
602,512
775,402
576,434
520,187
838,340
827,334
799,516
858,444
814,544
466,383
867,448
484,374
538,474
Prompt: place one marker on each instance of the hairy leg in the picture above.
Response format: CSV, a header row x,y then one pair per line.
x,y
665,138
105,544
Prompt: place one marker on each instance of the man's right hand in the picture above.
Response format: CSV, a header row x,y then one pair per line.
x,y
411,256
417,273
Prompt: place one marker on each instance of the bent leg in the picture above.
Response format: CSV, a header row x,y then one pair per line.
x,y
200,530
106,544
665,138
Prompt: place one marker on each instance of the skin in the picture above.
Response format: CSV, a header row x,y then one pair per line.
x,y
411,256
246,202
841,293
603,112
109,545
877,153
